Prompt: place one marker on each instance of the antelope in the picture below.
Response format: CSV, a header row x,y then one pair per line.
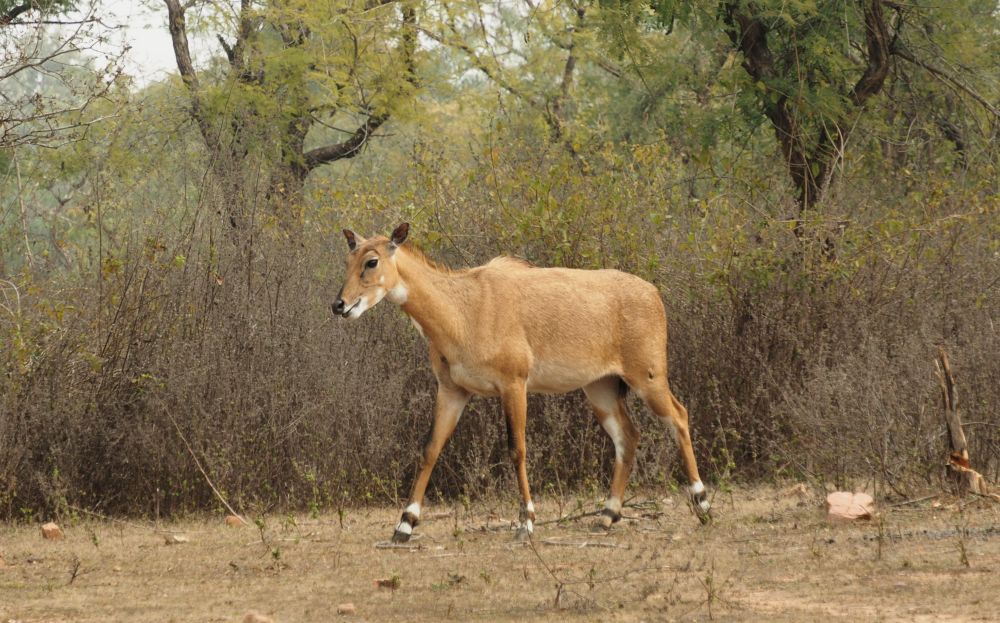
x,y
508,328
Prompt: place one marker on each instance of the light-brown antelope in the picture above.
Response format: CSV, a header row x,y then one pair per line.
x,y
507,328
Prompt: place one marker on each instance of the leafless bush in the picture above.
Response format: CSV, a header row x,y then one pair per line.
x,y
793,360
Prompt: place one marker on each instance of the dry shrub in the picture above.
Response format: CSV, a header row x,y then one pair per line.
x,y
796,357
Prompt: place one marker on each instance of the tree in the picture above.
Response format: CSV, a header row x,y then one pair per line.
x,y
294,74
53,68
803,84
813,70
533,52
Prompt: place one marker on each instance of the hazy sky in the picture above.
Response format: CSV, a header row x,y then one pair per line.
x,y
151,56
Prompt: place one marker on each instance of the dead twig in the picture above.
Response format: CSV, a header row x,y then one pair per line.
x,y
401,546
568,518
913,501
74,570
582,544
202,470
628,504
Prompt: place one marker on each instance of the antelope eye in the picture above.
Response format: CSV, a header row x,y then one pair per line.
x,y
372,263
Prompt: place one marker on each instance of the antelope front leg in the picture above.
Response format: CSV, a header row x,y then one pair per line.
x,y
447,410
515,406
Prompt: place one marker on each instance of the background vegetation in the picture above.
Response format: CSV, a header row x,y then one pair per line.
x,y
812,185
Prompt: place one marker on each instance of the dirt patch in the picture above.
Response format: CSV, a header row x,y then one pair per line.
x,y
767,556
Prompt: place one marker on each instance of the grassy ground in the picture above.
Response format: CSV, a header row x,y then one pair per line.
x,y
769,555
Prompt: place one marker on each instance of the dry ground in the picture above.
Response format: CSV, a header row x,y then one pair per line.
x,y
769,555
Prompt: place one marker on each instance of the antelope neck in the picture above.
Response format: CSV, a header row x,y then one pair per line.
x,y
432,298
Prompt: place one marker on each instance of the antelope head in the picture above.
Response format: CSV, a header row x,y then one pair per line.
x,y
371,273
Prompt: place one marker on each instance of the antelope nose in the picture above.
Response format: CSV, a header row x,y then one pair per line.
x,y
338,306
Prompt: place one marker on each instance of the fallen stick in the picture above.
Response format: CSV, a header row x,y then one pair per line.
x,y
582,544
203,472
627,504
403,546
913,501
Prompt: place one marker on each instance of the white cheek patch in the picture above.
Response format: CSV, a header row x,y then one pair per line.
x,y
413,509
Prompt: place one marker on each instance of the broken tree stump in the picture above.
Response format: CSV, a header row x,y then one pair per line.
x,y
960,472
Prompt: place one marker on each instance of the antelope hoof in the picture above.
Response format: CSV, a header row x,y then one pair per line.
x,y
605,520
523,535
702,509
400,537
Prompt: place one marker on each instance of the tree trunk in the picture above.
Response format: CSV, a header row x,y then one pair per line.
x,y
963,477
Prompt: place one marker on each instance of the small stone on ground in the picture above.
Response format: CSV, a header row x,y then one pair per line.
x,y
52,531
845,506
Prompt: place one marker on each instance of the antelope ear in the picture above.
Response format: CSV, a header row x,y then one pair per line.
x,y
399,235
353,240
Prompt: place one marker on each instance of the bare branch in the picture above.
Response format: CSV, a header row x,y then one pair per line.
x,y
353,145
14,11
178,36
347,149
228,49
182,54
952,81
493,73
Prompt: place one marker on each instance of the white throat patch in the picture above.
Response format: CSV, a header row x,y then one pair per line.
x,y
398,293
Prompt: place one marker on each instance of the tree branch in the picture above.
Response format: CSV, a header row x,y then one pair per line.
x,y
16,10
749,35
347,149
492,73
177,24
353,145
877,38
952,81
182,55
554,116
228,49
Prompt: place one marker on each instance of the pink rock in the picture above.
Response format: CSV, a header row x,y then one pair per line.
x,y
844,506
52,531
